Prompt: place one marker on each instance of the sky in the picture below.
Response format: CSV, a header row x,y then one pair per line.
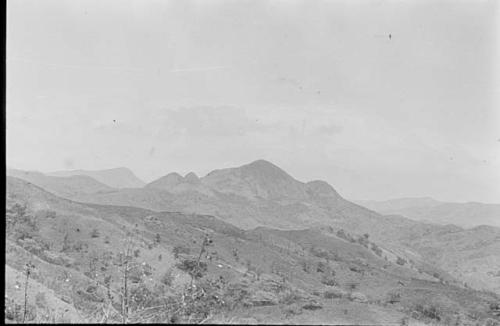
x,y
316,87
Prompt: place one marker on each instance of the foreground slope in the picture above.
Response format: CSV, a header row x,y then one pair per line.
x,y
321,276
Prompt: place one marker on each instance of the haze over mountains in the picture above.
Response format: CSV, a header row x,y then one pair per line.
x,y
427,209
116,178
320,275
260,194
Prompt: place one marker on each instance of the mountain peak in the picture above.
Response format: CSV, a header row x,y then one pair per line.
x,y
191,178
321,188
257,179
264,169
166,182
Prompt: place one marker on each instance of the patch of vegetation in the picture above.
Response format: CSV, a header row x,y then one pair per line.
x,y
181,250
95,233
376,249
328,280
423,311
19,223
400,261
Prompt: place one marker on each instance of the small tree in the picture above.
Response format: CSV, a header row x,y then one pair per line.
x,y
28,269
66,243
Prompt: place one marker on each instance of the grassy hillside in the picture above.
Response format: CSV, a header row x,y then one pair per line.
x,y
319,275
261,194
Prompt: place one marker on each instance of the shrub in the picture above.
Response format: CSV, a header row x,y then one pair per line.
x,y
235,254
95,233
135,275
106,240
376,250
341,234
66,243
305,265
136,253
292,310
193,268
141,297
167,278
363,241
332,294
312,306
394,298
181,250
428,311
319,252
328,280
20,225
321,267
400,261
13,311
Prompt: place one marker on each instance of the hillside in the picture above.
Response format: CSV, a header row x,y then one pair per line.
x,y
247,198
466,215
114,178
263,275
67,187
256,194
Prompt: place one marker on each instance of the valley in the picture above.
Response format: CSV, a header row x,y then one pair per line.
x,y
280,251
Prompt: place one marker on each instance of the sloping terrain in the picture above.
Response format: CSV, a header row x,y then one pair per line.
x,y
114,178
466,215
261,194
320,275
66,187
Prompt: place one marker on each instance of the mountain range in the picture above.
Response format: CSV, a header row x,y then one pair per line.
x,y
322,274
260,194
114,178
430,210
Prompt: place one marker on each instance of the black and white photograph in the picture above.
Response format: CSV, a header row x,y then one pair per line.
x,y
262,162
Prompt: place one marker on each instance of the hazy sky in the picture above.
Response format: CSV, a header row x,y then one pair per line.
x,y
316,87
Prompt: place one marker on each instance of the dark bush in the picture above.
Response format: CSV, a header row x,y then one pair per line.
x,y
400,261
328,280
193,268
167,278
376,250
95,233
312,306
321,267
428,311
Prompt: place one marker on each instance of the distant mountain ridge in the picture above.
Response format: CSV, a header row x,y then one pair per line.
x,y
467,215
261,194
67,187
76,248
115,178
